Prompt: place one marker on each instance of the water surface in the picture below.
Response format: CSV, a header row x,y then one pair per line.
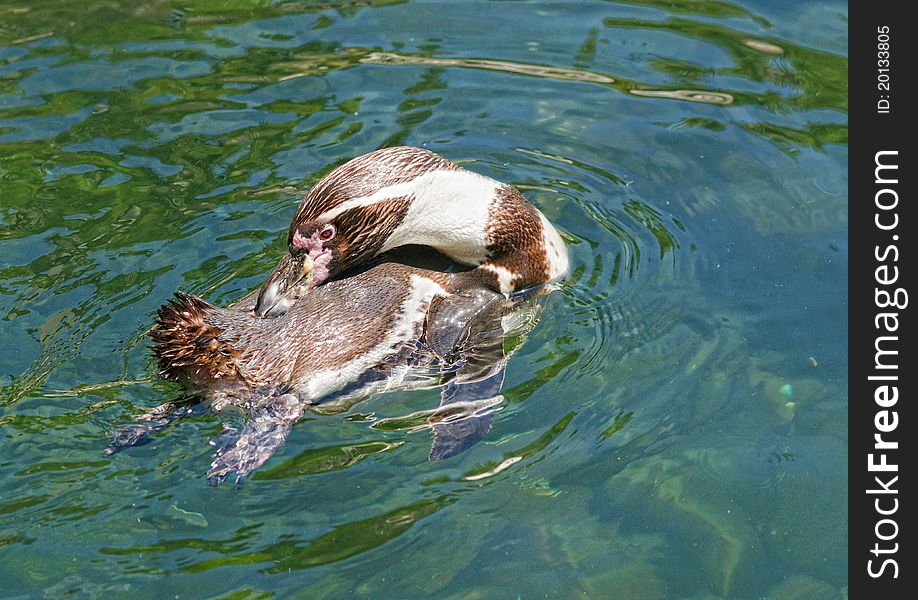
x,y
675,427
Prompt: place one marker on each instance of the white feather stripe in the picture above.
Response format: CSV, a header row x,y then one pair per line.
x,y
505,277
448,211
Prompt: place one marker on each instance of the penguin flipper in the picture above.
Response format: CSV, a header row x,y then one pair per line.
x,y
264,432
152,422
469,323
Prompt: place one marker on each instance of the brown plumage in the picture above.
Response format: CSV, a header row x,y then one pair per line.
x,y
354,323
191,349
364,175
515,240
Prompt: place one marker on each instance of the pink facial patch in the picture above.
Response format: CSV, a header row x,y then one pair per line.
x,y
311,244
299,242
320,268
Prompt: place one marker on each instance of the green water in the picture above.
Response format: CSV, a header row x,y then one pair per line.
x,y
676,425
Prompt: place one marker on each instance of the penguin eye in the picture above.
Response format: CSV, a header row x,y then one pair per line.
x,y
327,233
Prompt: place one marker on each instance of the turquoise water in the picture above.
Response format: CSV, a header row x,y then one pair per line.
x,y
675,426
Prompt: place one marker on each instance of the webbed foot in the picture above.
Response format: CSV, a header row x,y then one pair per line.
x,y
264,432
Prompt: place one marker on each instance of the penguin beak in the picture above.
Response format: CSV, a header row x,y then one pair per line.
x,y
291,278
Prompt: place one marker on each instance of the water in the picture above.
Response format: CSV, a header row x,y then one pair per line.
x,y
675,426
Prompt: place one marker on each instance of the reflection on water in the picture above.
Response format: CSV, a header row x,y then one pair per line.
x,y
675,425
388,58
689,95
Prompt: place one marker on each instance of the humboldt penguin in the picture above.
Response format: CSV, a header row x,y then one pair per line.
x,y
403,195
404,320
